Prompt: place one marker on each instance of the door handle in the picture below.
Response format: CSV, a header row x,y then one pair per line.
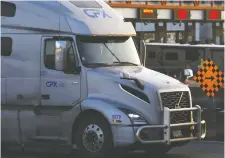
x,y
74,82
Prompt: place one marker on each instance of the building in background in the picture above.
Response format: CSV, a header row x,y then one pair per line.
x,y
175,21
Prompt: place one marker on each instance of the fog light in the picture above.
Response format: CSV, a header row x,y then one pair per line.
x,y
134,117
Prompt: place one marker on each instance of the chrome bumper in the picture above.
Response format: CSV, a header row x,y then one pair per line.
x,y
200,124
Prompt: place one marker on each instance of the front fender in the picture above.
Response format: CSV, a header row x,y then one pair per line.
x,y
106,108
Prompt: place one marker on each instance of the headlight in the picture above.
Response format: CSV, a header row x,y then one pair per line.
x,y
135,118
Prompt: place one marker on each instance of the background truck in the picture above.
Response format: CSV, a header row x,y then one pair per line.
x,y
172,59
71,77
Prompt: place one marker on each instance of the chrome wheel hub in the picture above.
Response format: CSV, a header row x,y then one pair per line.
x,y
93,138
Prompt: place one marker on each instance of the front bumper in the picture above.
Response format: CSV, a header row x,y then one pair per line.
x,y
198,127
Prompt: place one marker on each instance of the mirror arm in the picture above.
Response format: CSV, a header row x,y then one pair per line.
x,y
142,56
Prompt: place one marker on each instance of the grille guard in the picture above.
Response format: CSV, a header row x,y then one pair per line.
x,y
200,133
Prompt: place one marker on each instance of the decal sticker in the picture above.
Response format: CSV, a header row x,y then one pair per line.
x,y
95,13
60,84
51,84
116,118
54,84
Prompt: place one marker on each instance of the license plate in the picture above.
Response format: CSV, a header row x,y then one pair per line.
x,y
177,133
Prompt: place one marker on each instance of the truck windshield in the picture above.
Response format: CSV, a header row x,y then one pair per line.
x,y
107,51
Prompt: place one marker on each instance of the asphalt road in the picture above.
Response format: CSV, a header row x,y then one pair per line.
x,y
203,149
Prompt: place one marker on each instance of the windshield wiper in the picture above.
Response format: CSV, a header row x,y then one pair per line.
x,y
97,64
111,52
125,63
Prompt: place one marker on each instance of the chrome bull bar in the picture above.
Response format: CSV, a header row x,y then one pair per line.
x,y
201,127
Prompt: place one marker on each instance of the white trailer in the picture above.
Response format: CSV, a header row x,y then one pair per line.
x,y
71,76
167,57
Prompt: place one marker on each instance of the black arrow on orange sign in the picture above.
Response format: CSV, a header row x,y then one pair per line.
x,y
210,78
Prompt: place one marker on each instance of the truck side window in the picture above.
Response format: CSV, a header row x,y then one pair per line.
x,y
59,54
6,46
192,54
151,55
171,56
8,9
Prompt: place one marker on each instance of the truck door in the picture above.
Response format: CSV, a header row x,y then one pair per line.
x,y
60,85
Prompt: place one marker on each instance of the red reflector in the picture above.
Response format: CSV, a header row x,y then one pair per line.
x,y
182,14
213,15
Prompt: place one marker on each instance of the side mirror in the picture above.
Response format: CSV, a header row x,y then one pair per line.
x,y
142,49
63,57
188,73
67,68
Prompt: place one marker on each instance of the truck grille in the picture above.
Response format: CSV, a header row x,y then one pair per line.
x,y
170,99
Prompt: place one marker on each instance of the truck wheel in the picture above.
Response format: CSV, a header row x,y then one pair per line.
x,y
94,137
158,150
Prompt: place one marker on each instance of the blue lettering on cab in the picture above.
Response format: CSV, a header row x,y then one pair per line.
x,y
54,84
51,84
96,13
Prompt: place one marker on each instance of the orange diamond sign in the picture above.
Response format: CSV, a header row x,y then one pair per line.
x,y
209,78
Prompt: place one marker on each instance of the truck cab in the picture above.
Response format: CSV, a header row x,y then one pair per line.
x,y
72,77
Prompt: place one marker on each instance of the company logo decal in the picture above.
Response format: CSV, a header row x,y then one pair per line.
x,y
54,84
96,13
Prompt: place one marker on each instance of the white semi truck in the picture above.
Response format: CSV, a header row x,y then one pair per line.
x,y
71,76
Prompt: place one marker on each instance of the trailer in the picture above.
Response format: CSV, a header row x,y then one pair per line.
x,y
173,58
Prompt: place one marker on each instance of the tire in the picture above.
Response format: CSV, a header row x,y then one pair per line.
x,y
158,150
94,129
